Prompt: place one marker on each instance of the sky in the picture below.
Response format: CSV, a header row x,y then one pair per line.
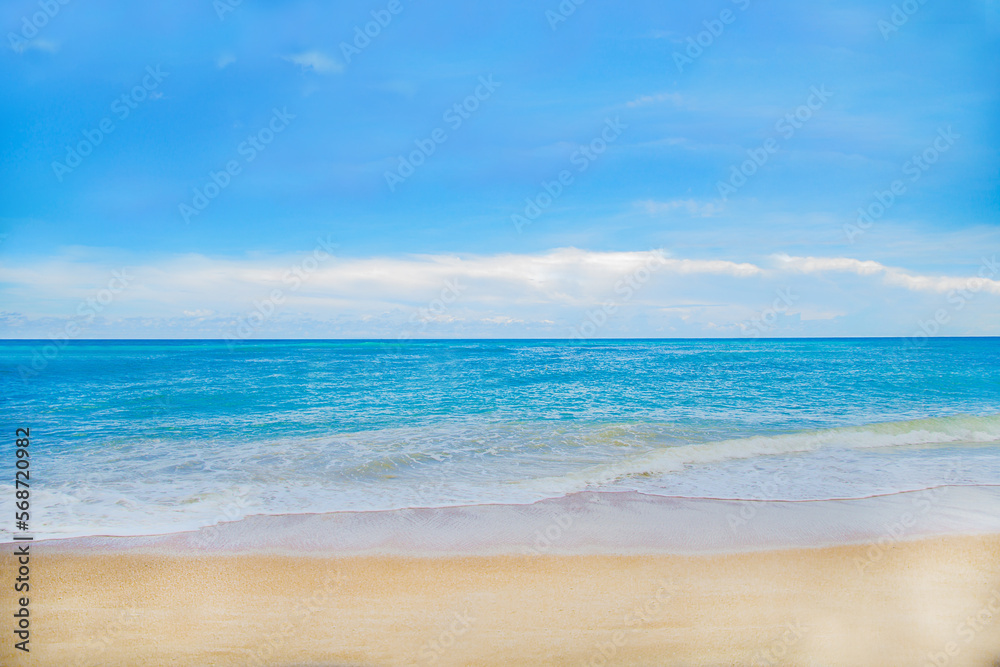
x,y
419,169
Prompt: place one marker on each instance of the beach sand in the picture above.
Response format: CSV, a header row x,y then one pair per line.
x,y
912,602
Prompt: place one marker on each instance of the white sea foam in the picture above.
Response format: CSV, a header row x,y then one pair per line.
x,y
675,458
502,462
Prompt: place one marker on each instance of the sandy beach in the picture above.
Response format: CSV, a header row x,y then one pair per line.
x,y
345,589
790,607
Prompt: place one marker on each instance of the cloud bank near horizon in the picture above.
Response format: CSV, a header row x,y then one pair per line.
x,y
565,292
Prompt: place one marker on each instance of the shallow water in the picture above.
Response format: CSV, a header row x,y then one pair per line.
x,y
140,437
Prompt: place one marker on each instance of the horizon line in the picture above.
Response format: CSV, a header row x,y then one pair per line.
x,y
429,340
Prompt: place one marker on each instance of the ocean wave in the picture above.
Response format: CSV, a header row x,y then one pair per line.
x,y
663,461
158,486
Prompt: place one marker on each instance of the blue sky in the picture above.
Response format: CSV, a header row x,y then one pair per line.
x,y
663,131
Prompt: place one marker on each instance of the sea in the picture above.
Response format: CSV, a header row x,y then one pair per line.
x,y
146,437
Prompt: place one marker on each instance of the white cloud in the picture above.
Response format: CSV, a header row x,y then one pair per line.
x,y
827,264
692,207
985,278
38,45
315,61
821,315
544,294
566,276
674,98
400,87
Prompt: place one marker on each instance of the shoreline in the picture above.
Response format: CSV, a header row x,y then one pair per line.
x,y
585,523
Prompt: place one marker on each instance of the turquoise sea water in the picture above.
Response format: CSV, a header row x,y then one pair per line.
x,y
138,437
